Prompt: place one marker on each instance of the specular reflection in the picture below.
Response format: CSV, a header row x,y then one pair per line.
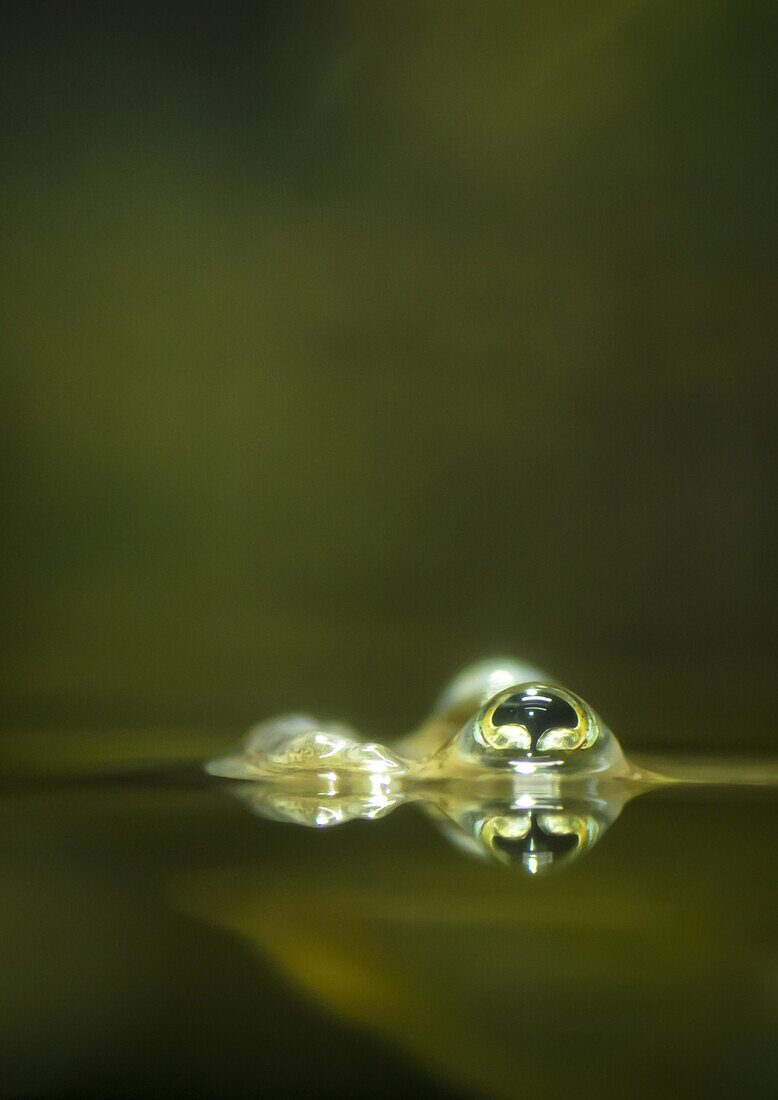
x,y
533,833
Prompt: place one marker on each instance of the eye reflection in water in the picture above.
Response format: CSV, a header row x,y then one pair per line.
x,y
535,835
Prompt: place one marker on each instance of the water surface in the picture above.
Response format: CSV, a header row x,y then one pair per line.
x,y
157,937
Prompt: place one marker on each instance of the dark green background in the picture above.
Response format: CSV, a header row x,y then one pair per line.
x,y
345,343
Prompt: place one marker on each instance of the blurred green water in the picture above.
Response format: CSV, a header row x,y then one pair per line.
x,y
157,939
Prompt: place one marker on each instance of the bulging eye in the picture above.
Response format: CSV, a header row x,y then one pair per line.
x,y
533,719
532,729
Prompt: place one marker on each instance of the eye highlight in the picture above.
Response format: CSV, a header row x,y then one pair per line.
x,y
534,719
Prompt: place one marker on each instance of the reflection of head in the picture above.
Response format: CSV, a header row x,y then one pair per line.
x,y
539,840
316,810
536,835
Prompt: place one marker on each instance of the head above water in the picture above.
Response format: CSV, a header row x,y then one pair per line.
x,y
538,729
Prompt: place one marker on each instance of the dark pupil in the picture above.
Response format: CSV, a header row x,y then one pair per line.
x,y
537,713
545,847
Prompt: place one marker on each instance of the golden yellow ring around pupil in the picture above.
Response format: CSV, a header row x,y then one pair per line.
x,y
515,710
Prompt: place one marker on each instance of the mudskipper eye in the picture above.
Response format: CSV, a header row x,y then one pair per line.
x,y
549,721
534,719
